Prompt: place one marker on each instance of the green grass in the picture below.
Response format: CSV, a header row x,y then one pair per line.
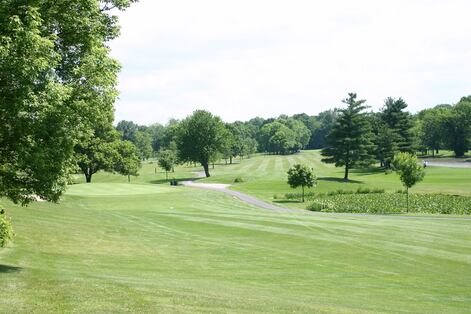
x,y
181,252
265,175
111,246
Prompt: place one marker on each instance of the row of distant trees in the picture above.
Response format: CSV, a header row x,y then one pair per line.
x,y
353,136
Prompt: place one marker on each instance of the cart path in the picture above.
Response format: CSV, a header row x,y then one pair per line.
x,y
242,196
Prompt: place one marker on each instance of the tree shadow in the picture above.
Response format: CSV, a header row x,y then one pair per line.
x,y
163,181
287,201
9,269
340,180
367,171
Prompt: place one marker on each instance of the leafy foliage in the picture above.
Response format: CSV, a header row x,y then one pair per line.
x,y
56,82
166,160
200,138
6,230
409,170
301,176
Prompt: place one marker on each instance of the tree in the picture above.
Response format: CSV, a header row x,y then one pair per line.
x,y
457,124
409,170
301,176
128,130
56,81
200,137
166,160
324,123
400,122
432,128
105,151
350,140
386,147
126,159
6,231
143,142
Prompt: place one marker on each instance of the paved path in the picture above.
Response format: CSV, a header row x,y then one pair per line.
x,y
450,164
242,196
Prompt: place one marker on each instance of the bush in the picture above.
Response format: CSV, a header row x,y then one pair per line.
x,y
238,180
391,203
296,196
6,231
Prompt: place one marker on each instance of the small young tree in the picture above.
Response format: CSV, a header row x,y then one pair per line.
x,y
166,160
6,231
409,170
301,176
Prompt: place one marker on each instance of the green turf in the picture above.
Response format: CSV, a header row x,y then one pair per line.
x,y
113,247
265,176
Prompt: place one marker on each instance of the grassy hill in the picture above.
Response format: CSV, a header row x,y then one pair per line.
x,y
111,246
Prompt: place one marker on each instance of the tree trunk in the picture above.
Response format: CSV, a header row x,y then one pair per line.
x,y
206,169
345,178
129,178
407,192
88,175
166,174
230,160
303,193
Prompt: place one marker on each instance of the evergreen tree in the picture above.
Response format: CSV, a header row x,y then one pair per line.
x,y
350,141
400,122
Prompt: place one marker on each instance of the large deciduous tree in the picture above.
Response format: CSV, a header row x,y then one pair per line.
x,y
349,144
105,151
56,81
200,137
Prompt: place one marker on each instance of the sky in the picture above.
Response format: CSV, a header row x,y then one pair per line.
x,y
247,58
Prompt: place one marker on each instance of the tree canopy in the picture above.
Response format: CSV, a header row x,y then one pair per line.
x,y
200,137
56,82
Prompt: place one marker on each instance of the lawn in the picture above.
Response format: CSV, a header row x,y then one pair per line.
x,y
111,246
265,176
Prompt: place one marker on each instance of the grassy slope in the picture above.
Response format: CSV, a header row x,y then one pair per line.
x,y
114,247
175,251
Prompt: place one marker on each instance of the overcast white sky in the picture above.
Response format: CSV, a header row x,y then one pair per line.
x,y
247,58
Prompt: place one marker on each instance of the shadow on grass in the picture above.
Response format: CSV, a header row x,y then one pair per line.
x,y
368,171
165,181
341,180
9,269
287,202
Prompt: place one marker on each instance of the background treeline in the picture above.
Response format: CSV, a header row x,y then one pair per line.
x,y
389,130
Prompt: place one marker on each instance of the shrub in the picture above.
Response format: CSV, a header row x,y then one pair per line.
x,y
238,180
6,231
296,196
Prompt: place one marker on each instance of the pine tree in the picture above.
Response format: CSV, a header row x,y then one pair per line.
x,y
349,144
400,122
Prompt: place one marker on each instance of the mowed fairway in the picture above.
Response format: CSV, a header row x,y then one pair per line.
x,y
142,247
265,175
